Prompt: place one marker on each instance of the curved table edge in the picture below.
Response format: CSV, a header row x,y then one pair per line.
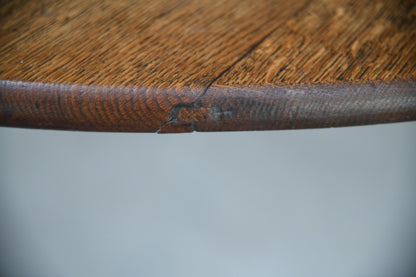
x,y
220,108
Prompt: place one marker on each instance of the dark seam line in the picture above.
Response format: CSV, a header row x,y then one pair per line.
x,y
197,103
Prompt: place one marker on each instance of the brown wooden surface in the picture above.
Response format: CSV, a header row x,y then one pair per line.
x,y
176,66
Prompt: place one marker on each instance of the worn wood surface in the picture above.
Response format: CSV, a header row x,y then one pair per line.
x,y
207,65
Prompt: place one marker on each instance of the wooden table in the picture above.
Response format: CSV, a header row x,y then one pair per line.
x,y
201,65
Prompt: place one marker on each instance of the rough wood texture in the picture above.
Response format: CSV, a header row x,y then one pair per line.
x,y
179,66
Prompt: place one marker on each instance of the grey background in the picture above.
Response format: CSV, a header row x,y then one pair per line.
x,y
326,202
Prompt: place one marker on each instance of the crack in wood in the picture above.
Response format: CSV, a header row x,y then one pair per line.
x,y
173,117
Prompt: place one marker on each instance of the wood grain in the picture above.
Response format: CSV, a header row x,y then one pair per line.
x,y
181,66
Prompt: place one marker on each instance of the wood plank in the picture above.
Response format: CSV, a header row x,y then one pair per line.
x,y
176,66
330,42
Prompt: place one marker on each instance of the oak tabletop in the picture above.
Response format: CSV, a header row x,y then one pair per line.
x,y
206,65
